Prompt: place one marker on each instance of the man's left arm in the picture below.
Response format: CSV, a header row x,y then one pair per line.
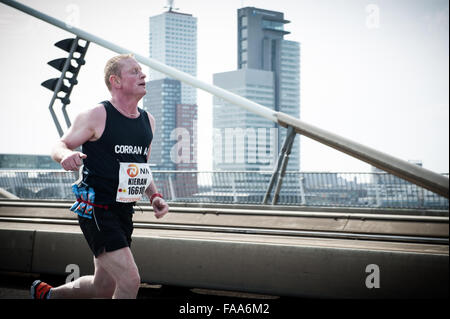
x,y
160,207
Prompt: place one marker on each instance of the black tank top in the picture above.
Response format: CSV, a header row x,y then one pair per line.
x,y
123,140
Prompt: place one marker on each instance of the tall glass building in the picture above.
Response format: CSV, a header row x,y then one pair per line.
x,y
269,74
161,101
173,41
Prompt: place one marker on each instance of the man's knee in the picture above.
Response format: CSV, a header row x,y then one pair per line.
x,y
105,288
129,280
121,267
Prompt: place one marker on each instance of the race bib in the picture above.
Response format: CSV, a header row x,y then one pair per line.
x,y
134,178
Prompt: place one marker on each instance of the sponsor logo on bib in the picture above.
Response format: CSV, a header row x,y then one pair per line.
x,y
132,170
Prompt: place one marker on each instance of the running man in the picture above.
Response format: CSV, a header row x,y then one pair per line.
x,y
116,139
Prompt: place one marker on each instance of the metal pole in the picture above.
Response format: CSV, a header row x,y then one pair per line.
x,y
172,189
233,188
278,166
53,114
302,191
290,140
413,173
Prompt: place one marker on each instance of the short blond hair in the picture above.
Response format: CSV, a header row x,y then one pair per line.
x,y
114,67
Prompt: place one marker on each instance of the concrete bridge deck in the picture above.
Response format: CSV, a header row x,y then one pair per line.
x,y
267,251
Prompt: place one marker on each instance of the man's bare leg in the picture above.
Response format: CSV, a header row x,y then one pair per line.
x,y
100,285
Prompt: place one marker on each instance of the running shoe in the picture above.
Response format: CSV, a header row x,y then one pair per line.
x,y
39,290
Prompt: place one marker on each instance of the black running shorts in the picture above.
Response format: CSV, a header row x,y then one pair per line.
x,y
108,230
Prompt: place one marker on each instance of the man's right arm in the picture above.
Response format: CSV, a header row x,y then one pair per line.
x,y
84,128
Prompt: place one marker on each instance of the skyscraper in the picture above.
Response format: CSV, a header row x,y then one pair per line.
x,y
268,73
173,41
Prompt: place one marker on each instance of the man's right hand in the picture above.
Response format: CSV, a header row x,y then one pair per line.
x,y
73,161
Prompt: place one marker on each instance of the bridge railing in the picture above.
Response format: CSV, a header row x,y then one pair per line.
x,y
313,189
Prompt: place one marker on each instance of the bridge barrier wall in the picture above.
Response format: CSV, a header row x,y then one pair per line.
x,y
287,265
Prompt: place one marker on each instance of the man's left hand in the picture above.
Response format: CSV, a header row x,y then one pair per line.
x,y
160,207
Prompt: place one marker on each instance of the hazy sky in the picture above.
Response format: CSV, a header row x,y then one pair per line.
x,y
376,72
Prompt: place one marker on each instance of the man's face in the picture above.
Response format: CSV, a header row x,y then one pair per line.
x,y
132,79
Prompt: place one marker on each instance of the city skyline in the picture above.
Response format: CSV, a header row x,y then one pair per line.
x,y
375,71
